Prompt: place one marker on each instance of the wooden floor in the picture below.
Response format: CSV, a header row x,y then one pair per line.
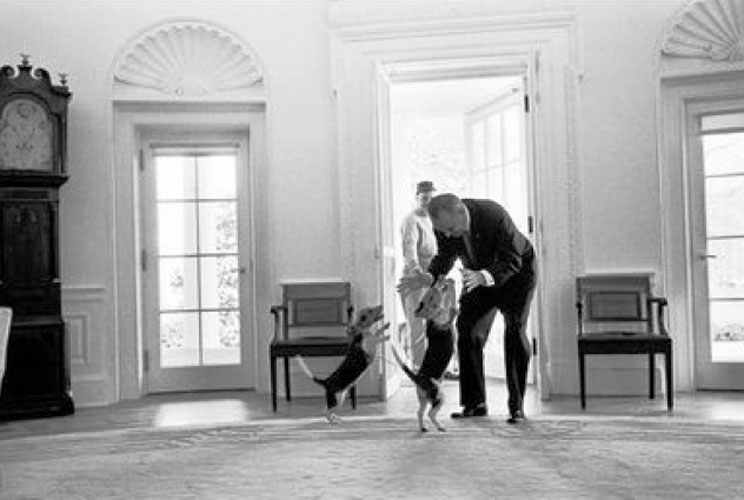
x,y
235,407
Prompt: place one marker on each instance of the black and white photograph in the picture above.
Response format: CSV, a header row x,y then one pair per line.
x,y
378,249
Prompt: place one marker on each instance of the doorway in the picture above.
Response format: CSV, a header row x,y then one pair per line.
x,y
195,262
468,135
716,144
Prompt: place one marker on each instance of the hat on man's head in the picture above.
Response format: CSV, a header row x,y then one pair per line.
x,y
425,187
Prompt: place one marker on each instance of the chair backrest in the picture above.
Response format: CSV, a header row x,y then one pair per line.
x,y
6,316
316,308
614,303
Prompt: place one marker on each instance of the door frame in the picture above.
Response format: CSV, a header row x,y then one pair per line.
x,y
547,41
677,94
131,119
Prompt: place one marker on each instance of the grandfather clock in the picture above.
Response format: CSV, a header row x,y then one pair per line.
x,y
33,125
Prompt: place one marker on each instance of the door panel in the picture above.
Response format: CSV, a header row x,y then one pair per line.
x,y
498,161
389,370
717,194
196,235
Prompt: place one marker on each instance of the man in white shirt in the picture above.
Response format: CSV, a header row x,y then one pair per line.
x,y
419,247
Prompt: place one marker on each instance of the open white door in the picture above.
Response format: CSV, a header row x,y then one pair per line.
x,y
390,378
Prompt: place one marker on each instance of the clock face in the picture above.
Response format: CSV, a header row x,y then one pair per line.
x,y
25,137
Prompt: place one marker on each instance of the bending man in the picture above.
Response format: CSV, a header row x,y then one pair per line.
x,y
500,272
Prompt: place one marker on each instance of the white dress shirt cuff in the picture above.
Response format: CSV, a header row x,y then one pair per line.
x,y
487,276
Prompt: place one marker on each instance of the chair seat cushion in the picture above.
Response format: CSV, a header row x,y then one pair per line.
x,y
316,340
620,335
310,346
618,343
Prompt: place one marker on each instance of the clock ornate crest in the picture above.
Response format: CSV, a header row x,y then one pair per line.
x,y
33,125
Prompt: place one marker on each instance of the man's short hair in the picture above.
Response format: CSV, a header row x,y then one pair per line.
x,y
447,202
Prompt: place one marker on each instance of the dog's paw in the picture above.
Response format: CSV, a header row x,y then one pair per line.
x,y
333,419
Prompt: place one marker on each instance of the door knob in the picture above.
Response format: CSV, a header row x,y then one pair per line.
x,y
706,256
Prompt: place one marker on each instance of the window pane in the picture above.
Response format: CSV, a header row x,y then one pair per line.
x,y
479,188
723,153
219,281
179,339
495,150
727,331
512,133
176,228
221,337
726,271
178,283
724,198
218,227
175,178
216,176
495,186
477,148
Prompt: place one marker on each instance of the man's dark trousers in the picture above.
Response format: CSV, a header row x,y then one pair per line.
x,y
513,301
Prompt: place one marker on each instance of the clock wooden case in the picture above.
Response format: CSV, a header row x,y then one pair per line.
x,y
33,124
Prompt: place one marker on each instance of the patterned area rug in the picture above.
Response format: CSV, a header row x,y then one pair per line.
x,y
369,458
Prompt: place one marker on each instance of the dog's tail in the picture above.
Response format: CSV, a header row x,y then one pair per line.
x,y
307,371
405,367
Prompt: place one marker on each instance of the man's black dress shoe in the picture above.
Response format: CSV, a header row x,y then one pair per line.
x,y
516,417
478,411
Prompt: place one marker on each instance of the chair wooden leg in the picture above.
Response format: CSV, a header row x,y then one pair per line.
x,y
272,364
582,379
670,379
287,388
651,375
352,394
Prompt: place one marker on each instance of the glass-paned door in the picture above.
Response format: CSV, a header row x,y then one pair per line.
x,y
498,167
718,252
195,269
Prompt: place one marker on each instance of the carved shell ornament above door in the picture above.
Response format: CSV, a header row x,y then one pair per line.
x,y
707,29
188,59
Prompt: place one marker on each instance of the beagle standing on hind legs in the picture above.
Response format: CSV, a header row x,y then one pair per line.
x,y
438,308
363,341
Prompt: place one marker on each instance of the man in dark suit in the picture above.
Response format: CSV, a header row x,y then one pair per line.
x,y
499,272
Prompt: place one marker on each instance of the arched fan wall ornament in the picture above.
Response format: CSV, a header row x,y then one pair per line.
x,y
188,59
707,29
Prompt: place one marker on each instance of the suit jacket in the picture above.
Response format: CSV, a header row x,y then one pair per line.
x,y
497,245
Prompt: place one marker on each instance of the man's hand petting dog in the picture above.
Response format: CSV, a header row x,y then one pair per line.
x,y
414,281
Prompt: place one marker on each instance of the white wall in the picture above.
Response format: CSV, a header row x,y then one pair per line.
x,y
82,39
616,134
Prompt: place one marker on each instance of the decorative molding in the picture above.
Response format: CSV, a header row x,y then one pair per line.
x,y
707,29
78,328
360,56
84,293
86,315
188,59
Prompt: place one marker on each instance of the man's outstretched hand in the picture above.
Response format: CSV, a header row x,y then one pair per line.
x,y
414,281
